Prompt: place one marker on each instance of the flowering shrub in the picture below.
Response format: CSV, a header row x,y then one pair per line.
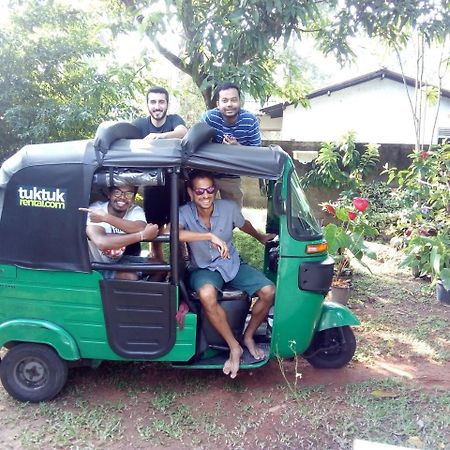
x,y
426,184
346,238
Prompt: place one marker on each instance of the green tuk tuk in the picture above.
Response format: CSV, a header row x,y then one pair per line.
x,y
57,311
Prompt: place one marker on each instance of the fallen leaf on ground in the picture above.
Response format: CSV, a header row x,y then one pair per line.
x,y
380,393
416,441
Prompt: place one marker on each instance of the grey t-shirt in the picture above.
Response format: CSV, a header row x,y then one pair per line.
x,y
225,217
134,212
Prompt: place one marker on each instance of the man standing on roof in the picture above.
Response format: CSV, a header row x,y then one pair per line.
x,y
159,125
113,225
233,126
207,225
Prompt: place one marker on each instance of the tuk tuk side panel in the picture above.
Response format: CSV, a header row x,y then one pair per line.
x,y
40,224
71,301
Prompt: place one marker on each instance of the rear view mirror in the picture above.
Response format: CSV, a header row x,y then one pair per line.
x,y
278,203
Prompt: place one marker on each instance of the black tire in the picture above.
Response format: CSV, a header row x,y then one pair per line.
x,y
33,372
332,348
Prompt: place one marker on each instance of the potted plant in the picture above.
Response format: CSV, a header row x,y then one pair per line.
x,y
430,255
345,238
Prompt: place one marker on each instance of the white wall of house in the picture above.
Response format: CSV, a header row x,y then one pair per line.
x,y
377,110
270,128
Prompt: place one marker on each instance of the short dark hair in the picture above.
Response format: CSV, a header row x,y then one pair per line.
x,y
197,173
158,90
224,86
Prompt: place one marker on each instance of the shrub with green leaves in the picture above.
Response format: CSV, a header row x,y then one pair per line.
x,y
340,165
426,188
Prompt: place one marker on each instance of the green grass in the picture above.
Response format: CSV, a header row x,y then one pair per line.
x,y
251,251
406,319
60,426
151,405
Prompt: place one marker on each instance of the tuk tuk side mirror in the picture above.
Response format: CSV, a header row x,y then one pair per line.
x,y
279,208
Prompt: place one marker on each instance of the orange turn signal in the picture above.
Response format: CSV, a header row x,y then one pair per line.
x,y
316,248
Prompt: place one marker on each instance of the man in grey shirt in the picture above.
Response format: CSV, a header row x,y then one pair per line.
x,y
207,225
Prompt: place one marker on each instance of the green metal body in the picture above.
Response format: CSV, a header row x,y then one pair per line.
x,y
298,314
64,309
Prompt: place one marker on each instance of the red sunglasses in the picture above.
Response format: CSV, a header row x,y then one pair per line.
x,y
201,191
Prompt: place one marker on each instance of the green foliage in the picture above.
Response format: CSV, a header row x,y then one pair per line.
x,y
425,184
430,255
59,80
238,41
227,40
388,207
340,165
425,187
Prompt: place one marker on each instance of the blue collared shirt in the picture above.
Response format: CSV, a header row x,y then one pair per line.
x,y
225,217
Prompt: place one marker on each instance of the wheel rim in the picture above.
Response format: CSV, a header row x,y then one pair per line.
x,y
335,344
31,373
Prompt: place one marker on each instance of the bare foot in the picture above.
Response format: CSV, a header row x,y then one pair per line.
x,y
231,365
254,350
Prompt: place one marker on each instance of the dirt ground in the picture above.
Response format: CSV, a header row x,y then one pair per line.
x,y
398,381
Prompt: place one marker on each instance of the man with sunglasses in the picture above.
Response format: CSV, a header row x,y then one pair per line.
x,y
113,225
207,225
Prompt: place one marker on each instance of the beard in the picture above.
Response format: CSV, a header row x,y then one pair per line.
x,y
158,114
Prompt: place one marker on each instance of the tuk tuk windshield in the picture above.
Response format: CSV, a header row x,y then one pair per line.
x,y
302,224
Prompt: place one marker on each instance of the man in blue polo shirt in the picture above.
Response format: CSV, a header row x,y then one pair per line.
x,y
233,125
207,225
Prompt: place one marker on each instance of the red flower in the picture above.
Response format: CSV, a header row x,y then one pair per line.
x,y
408,231
424,155
352,215
331,209
360,203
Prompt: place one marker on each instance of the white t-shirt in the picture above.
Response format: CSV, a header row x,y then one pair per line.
x,y
134,213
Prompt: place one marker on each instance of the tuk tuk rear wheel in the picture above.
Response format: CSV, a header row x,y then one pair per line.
x,y
332,348
33,372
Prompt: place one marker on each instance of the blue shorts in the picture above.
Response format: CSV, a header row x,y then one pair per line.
x,y
126,259
248,279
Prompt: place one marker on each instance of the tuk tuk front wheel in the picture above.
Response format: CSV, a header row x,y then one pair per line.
x,y
33,372
332,348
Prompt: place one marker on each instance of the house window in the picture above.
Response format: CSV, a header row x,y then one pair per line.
x,y
443,135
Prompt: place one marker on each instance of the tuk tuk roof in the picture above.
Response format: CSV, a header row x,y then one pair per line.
x,y
191,152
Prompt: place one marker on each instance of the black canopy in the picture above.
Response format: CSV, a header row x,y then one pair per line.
x,y
42,186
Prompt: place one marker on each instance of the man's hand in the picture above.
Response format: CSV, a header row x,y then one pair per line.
x,y
95,215
153,136
150,231
265,238
220,245
229,139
